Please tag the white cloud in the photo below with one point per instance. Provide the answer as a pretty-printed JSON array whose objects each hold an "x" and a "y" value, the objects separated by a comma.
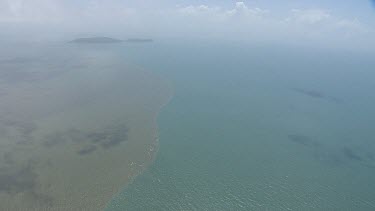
[
  {"x": 242, "y": 9},
  {"x": 319, "y": 23},
  {"x": 353, "y": 25},
  {"x": 200, "y": 12},
  {"x": 310, "y": 16},
  {"x": 194, "y": 10},
  {"x": 243, "y": 22}
]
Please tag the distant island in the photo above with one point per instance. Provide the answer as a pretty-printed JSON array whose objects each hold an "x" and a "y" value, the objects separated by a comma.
[
  {"x": 92, "y": 40},
  {"x": 96, "y": 40},
  {"x": 139, "y": 40}
]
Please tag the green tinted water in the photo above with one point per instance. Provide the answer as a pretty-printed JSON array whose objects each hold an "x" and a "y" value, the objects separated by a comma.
[{"x": 258, "y": 129}]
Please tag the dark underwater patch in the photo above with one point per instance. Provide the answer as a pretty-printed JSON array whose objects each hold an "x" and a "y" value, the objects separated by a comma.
[
  {"x": 310, "y": 93},
  {"x": 87, "y": 150},
  {"x": 303, "y": 140},
  {"x": 20, "y": 131},
  {"x": 17, "y": 180},
  {"x": 97, "y": 137},
  {"x": 118, "y": 135},
  {"x": 317, "y": 94},
  {"x": 105, "y": 138},
  {"x": 24, "y": 127},
  {"x": 337, "y": 156},
  {"x": 14, "y": 180},
  {"x": 351, "y": 154},
  {"x": 329, "y": 157}
]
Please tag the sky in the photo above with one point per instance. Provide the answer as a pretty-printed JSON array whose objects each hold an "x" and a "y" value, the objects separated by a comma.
[{"x": 329, "y": 23}]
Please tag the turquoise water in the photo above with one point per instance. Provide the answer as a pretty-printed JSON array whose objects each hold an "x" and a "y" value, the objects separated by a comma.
[{"x": 258, "y": 128}]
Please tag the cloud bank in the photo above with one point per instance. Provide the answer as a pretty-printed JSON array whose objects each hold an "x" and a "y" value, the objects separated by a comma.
[{"x": 58, "y": 18}]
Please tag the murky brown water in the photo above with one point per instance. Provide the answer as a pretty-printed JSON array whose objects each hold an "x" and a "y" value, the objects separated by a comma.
[{"x": 73, "y": 129}]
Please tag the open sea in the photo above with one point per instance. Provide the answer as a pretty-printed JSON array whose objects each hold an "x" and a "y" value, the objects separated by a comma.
[{"x": 258, "y": 128}]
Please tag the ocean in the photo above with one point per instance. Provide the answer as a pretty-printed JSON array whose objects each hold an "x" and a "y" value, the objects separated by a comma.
[
  {"x": 253, "y": 127},
  {"x": 186, "y": 125}
]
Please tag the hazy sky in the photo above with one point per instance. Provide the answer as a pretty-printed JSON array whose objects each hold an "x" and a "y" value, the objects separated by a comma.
[{"x": 344, "y": 23}]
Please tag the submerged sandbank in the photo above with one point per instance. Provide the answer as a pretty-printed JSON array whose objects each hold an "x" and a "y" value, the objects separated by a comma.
[{"x": 74, "y": 131}]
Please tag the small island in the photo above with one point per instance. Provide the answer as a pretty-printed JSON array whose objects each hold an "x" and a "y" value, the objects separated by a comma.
[
  {"x": 96, "y": 40},
  {"x": 137, "y": 40},
  {"x": 93, "y": 40}
]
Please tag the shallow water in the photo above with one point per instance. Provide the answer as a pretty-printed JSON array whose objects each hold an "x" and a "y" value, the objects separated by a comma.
[
  {"x": 77, "y": 124},
  {"x": 258, "y": 128}
]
